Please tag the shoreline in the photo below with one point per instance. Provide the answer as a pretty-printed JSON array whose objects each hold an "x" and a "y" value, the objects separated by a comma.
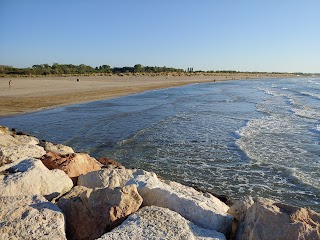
[
  {"x": 57, "y": 192},
  {"x": 27, "y": 95}
]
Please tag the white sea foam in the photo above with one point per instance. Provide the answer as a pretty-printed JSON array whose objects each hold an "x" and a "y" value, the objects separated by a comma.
[
  {"x": 313, "y": 82},
  {"x": 272, "y": 92},
  {"x": 276, "y": 141},
  {"x": 314, "y": 95},
  {"x": 279, "y": 139},
  {"x": 307, "y": 112},
  {"x": 278, "y": 105}
]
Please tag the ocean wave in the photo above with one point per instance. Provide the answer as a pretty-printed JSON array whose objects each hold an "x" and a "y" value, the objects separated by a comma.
[
  {"x": 314, "y": 95},
  {"x": 307, "y": 112},
  {"x": 288, "y": 103},
  {"x": 313, "y": 82},
  {"x": 278, "y": 141},
  {"x": 270, "y": 91}
]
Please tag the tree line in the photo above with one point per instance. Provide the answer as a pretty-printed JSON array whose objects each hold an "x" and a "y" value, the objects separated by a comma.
[
  {"x": 63, "y": 69},
  {"x": 82, "y": 69}
]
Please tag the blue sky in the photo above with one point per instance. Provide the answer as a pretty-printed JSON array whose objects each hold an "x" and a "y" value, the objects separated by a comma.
[{"x": 207, "y": 34}]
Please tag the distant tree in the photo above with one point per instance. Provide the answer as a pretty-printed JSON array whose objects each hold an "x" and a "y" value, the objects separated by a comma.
[
  {"x": 37, "y": 66},
  {"x": 58, "y": 69},
  {"x": 138, "y": 68},
  {"x": 105, "y": 69},
  {"x": 122, "y": 70}
]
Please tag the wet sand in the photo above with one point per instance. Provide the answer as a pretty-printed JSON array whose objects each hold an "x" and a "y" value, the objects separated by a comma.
[{"x": 33, "y": 94}]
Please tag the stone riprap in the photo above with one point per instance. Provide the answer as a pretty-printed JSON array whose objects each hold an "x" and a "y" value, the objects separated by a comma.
[{"x": 104, "y": 198}]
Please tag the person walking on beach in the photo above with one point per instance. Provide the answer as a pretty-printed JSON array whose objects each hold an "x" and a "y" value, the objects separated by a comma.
[{"x": 9, "y": 83}]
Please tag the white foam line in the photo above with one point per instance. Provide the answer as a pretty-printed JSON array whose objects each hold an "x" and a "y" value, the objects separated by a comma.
[
  {"x": 307, "y": 112},
  {"x": 314, "y": 95}
]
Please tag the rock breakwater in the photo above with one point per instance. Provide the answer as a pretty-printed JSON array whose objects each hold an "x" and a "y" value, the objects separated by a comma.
[{"x": 47, "y": 191}]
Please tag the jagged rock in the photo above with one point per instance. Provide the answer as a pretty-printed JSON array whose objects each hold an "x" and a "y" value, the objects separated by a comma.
[
  {"x": 11, "y": 138},
  {"x": 266, "y": 219},
  {"x": 159, "y": 223},
  {"x": 7, "y": 140},
  {"x": 202, "y": 209},
  {"x": 15, "y": 148},
  {"x": 91, "y": 213},
  {"x": 30, "y": 217},
  {"x": 240, "y": 207},
  {"x": 25, "y": 139},
  {"x": 110, "y": 178},
  {"x": 58, "y": 148},
  {"x": 5, "y": 130},
  {"x": 74, "y": 164},
  {"x": 14, "y": 154},
  {"x": 31, "y": 177},
  {"x": 109, "y": 162}
]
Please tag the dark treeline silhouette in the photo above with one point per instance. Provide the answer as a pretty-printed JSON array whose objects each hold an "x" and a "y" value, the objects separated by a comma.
[
  {"x": 62, "y": 69},
  {"x": 82, "y": 69}
]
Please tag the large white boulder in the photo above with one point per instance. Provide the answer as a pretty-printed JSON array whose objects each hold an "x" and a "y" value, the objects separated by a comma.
[
  {"x": 11, "y": 138},
  {"x": 15, "y": 148},
  {"x": 30, "y": 217},
  {"x": 110, "y": 178},
  {"x": 25, "y": 139},
  {"x": 202, "y": 209},
  {"x": 8, "y": 139},
  {"x": 159, "y": 223},
  {"x": 58, "y": 148},
  {"x": 17, "y": 153},
  {"x": 31, "y": 177}
]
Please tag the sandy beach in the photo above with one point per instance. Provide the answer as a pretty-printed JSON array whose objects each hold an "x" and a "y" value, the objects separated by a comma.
[{"x": 32, "y": 94}]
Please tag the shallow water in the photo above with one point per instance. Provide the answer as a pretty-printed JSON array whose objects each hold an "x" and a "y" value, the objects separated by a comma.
[{"x": 258, "y": 137}]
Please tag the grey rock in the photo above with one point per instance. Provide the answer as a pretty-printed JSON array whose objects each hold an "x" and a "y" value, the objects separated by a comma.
[
  {"x": 31, "y": 177},
  {"x": 159, "y": 223},
  {"x": 204, "y": 210},
  {"x": 110, "y": 177},
  {"x": 30, "y": 217},
  {"x": 15, "y": 148},
  {"x": 58, "y": 148}
]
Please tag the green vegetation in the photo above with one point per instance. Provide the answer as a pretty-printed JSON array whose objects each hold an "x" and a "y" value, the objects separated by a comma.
[
  {"x": 70, "y": 69},
  {"x": 57, "y": 69}
]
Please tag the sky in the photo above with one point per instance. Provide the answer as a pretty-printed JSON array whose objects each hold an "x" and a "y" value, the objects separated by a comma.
[{"x": 246, "y": 35}]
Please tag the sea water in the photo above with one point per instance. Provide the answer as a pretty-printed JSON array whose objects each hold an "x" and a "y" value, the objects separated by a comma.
[{"x": 246, "y": 137}]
